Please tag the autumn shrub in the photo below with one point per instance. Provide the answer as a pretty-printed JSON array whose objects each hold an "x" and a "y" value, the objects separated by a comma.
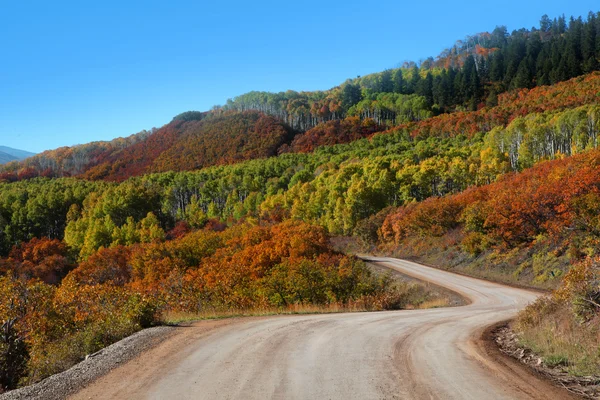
[
  {"x": 98, "y": 331},
  {"x": 47, "y": 329},
  {"x": 333, "y": 132},
  {"x": 564, "y": 328},
  {"x": 474, "y": 216},
  {"x": 474, "y": 243},
  {"x": 581, "y": 289},
  {"x": 109, "y": 265},
  {"x": 45, "y": 259},
  {"x": 368, "y": 229},
  {"x": 553, "y": 204}
]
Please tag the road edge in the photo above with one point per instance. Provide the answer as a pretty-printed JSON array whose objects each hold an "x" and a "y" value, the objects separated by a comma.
[
  {"x": 486, "y": 345},
  {"x": 461, "y": 273},
  {"x": 64, "y": 384}
]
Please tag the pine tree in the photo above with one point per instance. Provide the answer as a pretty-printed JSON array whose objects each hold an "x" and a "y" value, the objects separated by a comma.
[
  {"x": 425, "y": 89},
  {"x": 440, "y": 91},
  {"x": 399, "y": 84},
  {"x": 523, "y": 78},
  {"x": 387, "y": 85},
  {"x": 415, "y": 78},
  {"x": 588, "y": 44},
  {"x": 351, "y": 94},
  {"x": 497, "y": 66},
  {"x": 545, "y": 23}
]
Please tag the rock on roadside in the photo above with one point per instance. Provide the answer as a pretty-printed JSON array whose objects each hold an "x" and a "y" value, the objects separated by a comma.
[{"x": 60, "y": 386}]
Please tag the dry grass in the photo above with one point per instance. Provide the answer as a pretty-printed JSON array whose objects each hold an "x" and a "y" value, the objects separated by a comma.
[
  {"x": 179, "y": 317},
  {"x": 435, "y": 303},
  {"x": 562, "y": 341}
]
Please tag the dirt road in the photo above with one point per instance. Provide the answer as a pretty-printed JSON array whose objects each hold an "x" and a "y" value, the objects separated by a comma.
[{"x": 413, "y": 354}]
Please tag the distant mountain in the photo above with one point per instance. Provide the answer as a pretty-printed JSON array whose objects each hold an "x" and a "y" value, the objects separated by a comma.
[
  {"x": 8, "y": 154},
  {"x": 5, "y": 157}
]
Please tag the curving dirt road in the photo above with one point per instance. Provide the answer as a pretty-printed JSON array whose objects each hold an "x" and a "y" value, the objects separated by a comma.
[{"x": 414, "y": 354}]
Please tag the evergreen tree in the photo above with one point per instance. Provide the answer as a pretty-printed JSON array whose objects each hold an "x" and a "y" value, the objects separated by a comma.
[
  {"x": 399, "y": 84},
  {"x": 545, "y": 23},
  {"x": 441, "y": 91},
  {"x": 499, "y": 37},
  {"x": 415, "y": 78},
  {"x": 351, "y": 94},
  {"x": 523, "y": 78},
  {"x": 386, "y": 85},
  {"x": 497, "y": 66},
  {"x": 425, "y": 89},
  {"x": 561, "y": 24},
  {"x": 588, "y": 39}
]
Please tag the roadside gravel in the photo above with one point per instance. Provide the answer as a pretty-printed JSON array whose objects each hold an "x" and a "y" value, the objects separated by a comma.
[{"x": 60, "y": 386}]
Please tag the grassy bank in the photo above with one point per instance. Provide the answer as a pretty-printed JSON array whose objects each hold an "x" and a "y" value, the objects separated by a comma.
[
  {"x": 564, "y": 329},
  {"x": 404, "y": 295},
  {"x": 537, "y": 265}
]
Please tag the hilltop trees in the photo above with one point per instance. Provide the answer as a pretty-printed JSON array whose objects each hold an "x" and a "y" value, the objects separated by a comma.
[{"x": 483, "y": 70}]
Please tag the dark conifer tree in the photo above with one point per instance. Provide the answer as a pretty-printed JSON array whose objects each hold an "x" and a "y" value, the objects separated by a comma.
[{"x": 399, "y": 84}]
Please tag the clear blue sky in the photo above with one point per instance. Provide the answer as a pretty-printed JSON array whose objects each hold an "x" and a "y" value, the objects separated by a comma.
[{"x": 73, "y": 72}]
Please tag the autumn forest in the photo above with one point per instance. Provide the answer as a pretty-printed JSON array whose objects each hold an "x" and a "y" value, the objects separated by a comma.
[{"x": 482, "y": 160}]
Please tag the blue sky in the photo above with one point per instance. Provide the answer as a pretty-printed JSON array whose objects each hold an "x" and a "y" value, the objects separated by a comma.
[{"x": 73, "y": 72}]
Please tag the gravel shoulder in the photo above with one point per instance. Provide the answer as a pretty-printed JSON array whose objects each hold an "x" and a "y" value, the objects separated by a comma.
[{"x": 60, "y": 386}]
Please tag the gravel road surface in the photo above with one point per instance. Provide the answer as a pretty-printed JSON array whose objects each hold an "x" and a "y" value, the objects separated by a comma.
[{"x": 412, "y": 354}]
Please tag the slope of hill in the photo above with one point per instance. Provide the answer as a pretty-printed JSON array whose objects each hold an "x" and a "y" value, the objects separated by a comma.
[
  {"x": 474, "y": 73},
  {"x": 465, "y": 77},
  {"x": 16, "y": 153},
  {"x": 189, "y": 141},
  {"x": 185, "y": 145},
  {"x": 228, "y": 137},
  {"x": 8, "y": 154},
  {"x": 5, "y": 157}
]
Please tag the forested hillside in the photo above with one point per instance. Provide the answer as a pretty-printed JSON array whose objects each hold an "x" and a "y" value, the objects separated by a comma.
[
  {"x": 472, "y": 75},
  {"x": 484, "y": 159}
]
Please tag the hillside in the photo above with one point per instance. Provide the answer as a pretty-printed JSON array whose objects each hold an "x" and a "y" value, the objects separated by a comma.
[
  {"x": 5, "y": 157},
  {"x": 18, "y": 154},
  {"x": 231, "y": 137},
  {"x": 8, "y": 154},
  {"x": 478, "y": 74},
  {"x": 185, "y": 143}
]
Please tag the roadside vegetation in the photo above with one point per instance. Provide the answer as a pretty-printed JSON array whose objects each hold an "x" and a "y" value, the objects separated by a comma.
[
  {"x": 56, "y": 312},
  {"x": 564, "y": 329}
]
